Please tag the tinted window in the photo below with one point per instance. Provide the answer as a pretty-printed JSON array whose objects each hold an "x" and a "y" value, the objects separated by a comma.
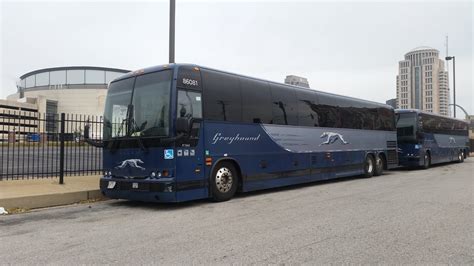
[
  {"x": 387, "y": 117},
  {"x": 328, "y": 111},
  {"x": 440, "y": 125},
  {"x": 256, "y": 101},
  {"x": 307, "y": 109},
  {"x": 284, "y": 108},
  {"x": 351, "y": 114},
  {"x": 222, "y": 99},
  {"x": 189, "y": 104},
  {"x": 406, "y": 127},
  {"x": 342, "y": 112}
]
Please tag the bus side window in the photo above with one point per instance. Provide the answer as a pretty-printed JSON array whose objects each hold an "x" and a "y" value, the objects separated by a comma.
[
  {"x": 189, "y": 104},
  {"x": 256, "y": 101},
  {"x": 222, "y": 98},
  {"x": 284, "y": 108},
  {"x": 307, "y": 109}
]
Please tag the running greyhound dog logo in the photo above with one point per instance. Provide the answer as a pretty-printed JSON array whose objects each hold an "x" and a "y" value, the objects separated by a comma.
[
  {"x": 132, "y": 163},
  {"x": 452, "y": 140},
  {"x": 331, "y": 137}
]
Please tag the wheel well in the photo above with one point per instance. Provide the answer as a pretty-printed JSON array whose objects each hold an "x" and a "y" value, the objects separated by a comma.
[
  {"x": 237, "y": 167},
  {"x": 384, "y": 158},
  {"x": 371, "y": 154},
  {"x": 429, "y": 154}
]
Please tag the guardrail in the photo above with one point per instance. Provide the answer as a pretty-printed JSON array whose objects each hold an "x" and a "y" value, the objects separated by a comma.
[{"x": 35, "y": 145}]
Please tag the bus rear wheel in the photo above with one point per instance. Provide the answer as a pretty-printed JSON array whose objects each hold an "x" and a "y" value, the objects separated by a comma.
[
  {"x": 379, "y": 163},
  {"x": 224, "y": 181},
  {"x": 426, "y": 161},
  {"x": 369, "y": 166},
  {"x": 460, "y": 157}
]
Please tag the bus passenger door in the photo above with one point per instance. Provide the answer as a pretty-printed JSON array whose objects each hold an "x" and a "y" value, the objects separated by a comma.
[{"x": 189, "y": 149}]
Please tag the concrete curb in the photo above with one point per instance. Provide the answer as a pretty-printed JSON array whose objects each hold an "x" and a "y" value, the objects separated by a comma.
[
  {"x": 51, "y": 200},
  {"x": 41, "y": 193}
]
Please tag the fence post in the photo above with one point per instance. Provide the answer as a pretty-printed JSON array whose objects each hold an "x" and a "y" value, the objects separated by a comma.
[{"x": 61, "y": 150}]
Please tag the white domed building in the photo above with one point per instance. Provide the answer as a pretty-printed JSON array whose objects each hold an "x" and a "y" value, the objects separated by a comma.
[{"x": 72, "y": 90}]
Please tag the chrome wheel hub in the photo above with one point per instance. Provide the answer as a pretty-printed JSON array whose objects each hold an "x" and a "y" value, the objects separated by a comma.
[
  {"x": 224, "y": 180},
  {"x": 370, "y": 166},
  {"x": 378, "y": 162}
]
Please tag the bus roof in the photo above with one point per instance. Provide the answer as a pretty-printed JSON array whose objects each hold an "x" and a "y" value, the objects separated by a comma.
[
  {"x": 418, "y": 111},
  {"x": 177, "y": 65}
]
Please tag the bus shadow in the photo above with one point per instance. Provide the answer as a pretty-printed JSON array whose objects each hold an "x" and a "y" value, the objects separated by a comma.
[
  {"x": 419, "y": 168},
  {"x": 309, "y": 184},
  {"x": 160, "y": 206}
]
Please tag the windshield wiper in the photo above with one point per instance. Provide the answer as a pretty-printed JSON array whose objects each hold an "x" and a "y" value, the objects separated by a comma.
[
  {"x": 131, "y": 129},
  {"x": 134, "y": 128}
]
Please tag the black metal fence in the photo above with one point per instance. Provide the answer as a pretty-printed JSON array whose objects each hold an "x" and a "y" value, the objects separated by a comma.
[{"x": 35, "y": 145}]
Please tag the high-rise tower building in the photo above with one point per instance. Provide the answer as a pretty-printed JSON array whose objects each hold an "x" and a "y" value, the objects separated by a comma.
[
  {"x": 297, "y": 81},
  {"x": 422, "y": 82}
]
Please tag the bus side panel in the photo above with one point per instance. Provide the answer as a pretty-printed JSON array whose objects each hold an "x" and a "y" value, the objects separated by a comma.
[
  {"x": 191, "y": 180},
  {"x": 443, "y": 148},
  {"x": 273, "y": 155}
]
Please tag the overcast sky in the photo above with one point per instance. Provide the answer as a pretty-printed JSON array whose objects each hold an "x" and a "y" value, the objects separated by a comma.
[{"x": 349, "y": 48}]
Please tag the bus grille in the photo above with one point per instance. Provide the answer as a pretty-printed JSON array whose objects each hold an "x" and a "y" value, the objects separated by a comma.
[
  {"x": 392, "y": 157},
  {"x": 391, "y": 144}
]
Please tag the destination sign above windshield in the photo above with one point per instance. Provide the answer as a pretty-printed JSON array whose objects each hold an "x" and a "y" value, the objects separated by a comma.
[{"x": 189, "y": 78}]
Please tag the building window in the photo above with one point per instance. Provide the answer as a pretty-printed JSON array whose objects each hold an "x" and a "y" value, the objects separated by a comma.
[
  {"x": 57, "y": 77},
  {"x": 95, "y": 77},
  {"x": 75, "y": 77}
]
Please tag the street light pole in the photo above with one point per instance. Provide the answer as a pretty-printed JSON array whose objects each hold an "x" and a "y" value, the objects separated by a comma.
[
  {"x": 172, "y": 19},
  {"x": 454, "y": 82}
]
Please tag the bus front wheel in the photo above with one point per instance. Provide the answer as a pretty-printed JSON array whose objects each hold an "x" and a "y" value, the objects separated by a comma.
[
  {"x": 426, "y": 161},
  {"x": 369, "y": 166},
  {"x": 224, "y": 181}
]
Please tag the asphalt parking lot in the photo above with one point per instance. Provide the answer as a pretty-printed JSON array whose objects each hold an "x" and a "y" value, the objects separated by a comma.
[{"x": 404, "y": 216}]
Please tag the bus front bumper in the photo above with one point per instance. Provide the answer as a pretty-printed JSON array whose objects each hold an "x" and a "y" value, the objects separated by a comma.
[
  {"x": 412, "y": 160},
  {"x": 139, "y": 190}
]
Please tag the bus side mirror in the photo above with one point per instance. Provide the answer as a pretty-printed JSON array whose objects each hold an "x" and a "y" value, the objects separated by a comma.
[
  {"x": 89, "y": 141},
  {"x": 183, "y": 125}
]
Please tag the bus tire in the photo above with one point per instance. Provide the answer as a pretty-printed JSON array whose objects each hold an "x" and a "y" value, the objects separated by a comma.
[
  {"x": 379, "y": 164},
  {"x": 460, "y": 156},
  {"x": 426, "y": 161},
  {"x": 224, "y": 181},
  {"x": 369, "y": 166}
]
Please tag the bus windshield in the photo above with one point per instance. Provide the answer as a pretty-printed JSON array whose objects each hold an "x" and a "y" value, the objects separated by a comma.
[
  {"x": 406, "y": 127},
  {"x": 138, "y": 107}
]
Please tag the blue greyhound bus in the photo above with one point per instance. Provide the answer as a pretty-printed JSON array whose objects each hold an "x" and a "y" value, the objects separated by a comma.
[
  {"x": 426, "y": 138},
  {"x": 181, "y": 132}
]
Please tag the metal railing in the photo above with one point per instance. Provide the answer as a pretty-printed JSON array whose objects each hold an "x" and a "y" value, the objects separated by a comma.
[{"x": 35, "y": 145}]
